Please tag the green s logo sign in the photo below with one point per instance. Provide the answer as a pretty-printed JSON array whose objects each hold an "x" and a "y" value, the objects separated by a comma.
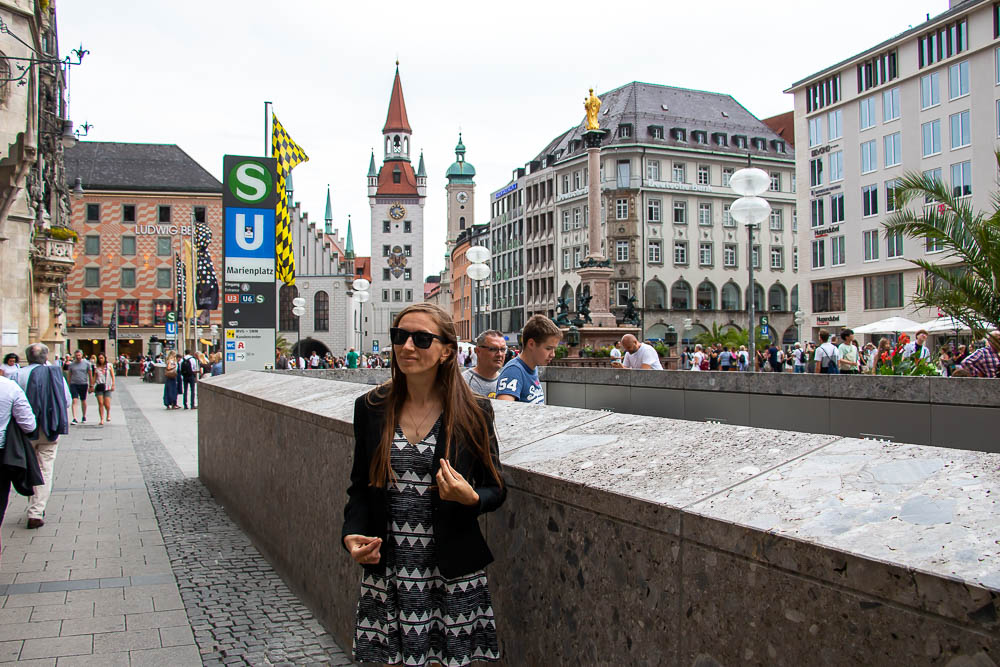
[{"x": 250, "y": 182}]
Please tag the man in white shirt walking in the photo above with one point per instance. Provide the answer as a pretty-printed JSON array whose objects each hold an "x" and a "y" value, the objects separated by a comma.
[{"x": 638, "y": 356}]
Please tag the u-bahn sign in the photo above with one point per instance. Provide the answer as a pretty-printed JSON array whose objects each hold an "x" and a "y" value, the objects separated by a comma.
[{"x": 249, "y": 294}]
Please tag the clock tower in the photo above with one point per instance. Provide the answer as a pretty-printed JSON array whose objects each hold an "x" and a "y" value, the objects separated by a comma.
[
  {"x": 396, "y": 196},
  {"x": 461, "y": 190}
]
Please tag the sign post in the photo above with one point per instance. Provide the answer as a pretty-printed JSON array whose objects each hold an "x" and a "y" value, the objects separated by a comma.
[{"x": 249, "y": 295}]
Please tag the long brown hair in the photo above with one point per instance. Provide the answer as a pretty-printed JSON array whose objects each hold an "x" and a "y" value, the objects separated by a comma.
[{"x": 462, "y": 419}]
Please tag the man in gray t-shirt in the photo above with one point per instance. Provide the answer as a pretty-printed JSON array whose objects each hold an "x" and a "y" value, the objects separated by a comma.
[
  {"x": 491, "y": 348},
  {"x": 79, "y": 381}
]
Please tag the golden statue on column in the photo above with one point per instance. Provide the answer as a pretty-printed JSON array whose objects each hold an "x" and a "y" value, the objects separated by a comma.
[{"x": 592, "y": 104}]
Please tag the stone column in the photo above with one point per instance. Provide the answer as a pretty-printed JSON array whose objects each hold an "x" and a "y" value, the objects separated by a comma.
[{"x": 595, "y": 271}]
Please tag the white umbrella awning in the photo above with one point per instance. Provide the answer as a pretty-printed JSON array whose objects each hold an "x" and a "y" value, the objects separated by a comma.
[
  {"x": 889, "y": 325},
  {"x": 943, "y": 325}
]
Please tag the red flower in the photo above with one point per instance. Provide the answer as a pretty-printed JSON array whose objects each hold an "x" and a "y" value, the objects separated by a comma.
[
  {"x": 885, "y": 356},
  {"x": 903, "y": 339}
]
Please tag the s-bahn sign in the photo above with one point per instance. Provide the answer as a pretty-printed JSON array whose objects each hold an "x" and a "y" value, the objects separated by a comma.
[{"x": 249, "y": 294}]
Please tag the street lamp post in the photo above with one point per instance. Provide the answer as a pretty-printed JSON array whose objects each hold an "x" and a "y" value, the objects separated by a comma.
[
  {"x": 799, "y": 319},
  {"x": 750, "y": 210},
  {"x": 478, "y": 270},
  {"x": 360, "y": 295},
  {"x": 298, "y": 309}
]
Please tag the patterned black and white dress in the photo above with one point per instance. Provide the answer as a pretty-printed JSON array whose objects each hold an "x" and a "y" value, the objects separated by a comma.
[{"x": 408, "y": 613}]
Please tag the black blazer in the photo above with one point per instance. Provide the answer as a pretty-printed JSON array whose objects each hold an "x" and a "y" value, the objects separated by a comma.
[{"x": 459, "y": 544}]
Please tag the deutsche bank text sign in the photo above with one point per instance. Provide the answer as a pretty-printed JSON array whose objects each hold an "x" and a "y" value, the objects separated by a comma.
[{"x": 249, "y": 199}]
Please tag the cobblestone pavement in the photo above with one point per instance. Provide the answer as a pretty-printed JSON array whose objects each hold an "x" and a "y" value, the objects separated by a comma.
[{"x": 138, "y": 565}]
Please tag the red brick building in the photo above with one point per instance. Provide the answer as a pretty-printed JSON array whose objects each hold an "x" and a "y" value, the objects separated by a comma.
[{"x": 140, "y": 201}]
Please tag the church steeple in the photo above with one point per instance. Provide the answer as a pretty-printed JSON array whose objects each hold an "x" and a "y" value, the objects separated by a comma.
[
  {"x": 349, "y": 246},
  {"x": 396, "y": 130},
  {"x": 328, "y": 218}
]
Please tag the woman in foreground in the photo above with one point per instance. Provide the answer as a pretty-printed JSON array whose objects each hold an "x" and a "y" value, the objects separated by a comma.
[{"x": 426, "y": 465}]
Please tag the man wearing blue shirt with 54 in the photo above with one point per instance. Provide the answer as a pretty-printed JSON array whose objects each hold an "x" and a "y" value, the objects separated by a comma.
[{"x": 518, "y": 380}]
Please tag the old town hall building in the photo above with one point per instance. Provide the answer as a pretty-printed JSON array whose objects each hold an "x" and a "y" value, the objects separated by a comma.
[{"x": 397, "y": 196}]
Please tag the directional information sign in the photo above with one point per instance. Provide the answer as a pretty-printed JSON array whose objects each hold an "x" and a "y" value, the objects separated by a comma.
[{"x": 249, "y": 295}]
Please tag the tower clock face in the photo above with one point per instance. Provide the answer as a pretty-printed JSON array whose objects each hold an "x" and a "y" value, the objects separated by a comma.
[
  {"x": 396, "y": 211},
  {"x": 462, "y": 197}
]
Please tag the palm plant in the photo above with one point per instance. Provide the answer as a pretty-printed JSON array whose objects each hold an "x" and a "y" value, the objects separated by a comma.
[
  {"x": 282, "y": 344},
  {"x": 967, "y": 289}
]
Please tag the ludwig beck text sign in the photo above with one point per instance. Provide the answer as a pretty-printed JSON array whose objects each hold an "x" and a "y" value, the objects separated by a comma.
[{"x": 249, "y": 301}]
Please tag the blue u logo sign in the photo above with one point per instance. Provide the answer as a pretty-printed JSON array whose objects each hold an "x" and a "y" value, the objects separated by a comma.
[{"x": 249, "y": 236}]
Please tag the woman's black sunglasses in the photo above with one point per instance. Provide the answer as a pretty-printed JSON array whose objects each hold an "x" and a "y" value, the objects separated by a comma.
[{"x": 421, "y": 339}]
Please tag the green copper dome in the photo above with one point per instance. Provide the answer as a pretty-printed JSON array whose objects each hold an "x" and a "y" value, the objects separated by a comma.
[{"x": 460, "y": 171}]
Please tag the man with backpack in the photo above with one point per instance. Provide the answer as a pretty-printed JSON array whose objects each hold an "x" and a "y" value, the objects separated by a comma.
[
  {"x": 827, "y": 356},
  {"x": 189, "y": 377}
]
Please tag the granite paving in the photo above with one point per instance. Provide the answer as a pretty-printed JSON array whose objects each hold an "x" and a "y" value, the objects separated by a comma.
[{"x": 137, "y": 564}]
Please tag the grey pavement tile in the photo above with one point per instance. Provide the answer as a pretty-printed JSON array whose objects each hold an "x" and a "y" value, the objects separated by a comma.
[
  {"x": 115, "y": 582},
  {"x": 102, "y": 660},
  {"x": 133, "y": 606},
  {"x": 92, "y": 625},
  {"x": 114, "y": 642},
  {"x": 176, "y": 656},
  {"x": 96, "y": 595},
  {"x": 159, "y": 619},
  {"x": 35, "y": 599},
  {"x": 77, "y": 585},
  {"x": 46, "y": 556},
  {"x": 106, "y": 572},
  {"x": 154, "y": 579},
  {"x": 16, "y": 615},
  {"x": 54, "y": 612},
  {"x": 150, "y": 590},
  {"x": 179, "y": 635},
  {"x": 54, "y": 647},
  {"x": 147, "y": 570},
  {"x": 7, "y": 578},
  {"x": 40, "y": 662},
  {"x": 12, "y": 631},
  {"x": 44, "y": 575},
  {"x": 20, "y": 589},
  {"x": 10, "y": 650},
  {"x": 168, "y": 602}
]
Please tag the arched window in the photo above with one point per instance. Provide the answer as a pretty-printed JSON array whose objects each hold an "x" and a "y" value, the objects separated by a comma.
[
  {"x": 461, "y": 222},
  {"x": 321, "y": 312},
  {"x": 730, "y": 296},
  {"x": 776, "y": 298},
  {"x": 706, "y": 296},
  {"x": 397, "y": 146},
  {"x": 406, "y": 145},
  {"x": 795, "y": 299},
  {"x": 286, "y": 319},
  {"x": 4, "y": 76},
  {"x": 567, "y": 295},
  {"x": 656, "y": 295},
  {"x": 680, "y": 296},
  {"x": 388, "y": 145},
  {"x": 758, "y": 297},
  {"x": 791, "y": 335}
]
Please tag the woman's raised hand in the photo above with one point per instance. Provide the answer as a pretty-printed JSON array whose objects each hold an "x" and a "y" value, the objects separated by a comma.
[
  {"x": 363, "y": 549},
  {"x": 452, "y": 486}
]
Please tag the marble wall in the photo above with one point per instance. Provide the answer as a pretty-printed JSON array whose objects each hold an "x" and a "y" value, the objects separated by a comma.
[{"x": 638, "y": 540}]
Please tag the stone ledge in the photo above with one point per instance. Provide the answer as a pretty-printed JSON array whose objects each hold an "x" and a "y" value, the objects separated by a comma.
[{"x": 855, "y": 522}]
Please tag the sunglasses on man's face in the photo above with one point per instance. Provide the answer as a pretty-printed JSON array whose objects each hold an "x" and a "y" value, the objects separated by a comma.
[{"x": 421, "y": 339}]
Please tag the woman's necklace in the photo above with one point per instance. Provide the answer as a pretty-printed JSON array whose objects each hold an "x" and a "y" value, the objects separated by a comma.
[{"x": 420, "y": 427}]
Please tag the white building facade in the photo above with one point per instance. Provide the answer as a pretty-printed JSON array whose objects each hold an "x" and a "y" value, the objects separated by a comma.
[
  {"x": 925, "y": 101},
  {"x": 665, "y": 168}
]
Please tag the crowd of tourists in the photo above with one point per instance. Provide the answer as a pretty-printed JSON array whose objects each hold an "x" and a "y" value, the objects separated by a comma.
[{"x": 842, "y": 353}]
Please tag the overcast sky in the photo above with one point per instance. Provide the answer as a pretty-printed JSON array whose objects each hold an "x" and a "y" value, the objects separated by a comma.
[{"x": 511, "y": 75}]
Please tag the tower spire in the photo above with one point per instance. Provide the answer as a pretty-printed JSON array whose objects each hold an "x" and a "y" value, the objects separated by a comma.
[
  {"x": 329, "y": 208},
  {"x": 421, "y": 172},
  {"x": 396, "y": 120},
  {"x": 349, "y": 246}
]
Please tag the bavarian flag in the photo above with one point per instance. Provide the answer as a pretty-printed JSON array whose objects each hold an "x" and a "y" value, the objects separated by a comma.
[{"x": 288, "y": 155}]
